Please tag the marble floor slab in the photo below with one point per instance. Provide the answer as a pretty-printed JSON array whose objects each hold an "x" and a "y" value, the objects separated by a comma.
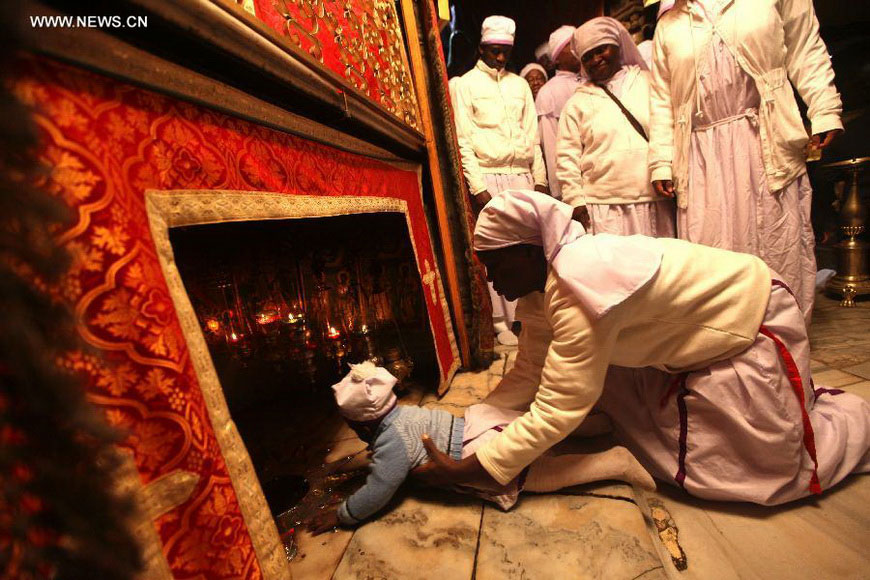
[
  {"x": 511, "y": 359},
  {"x": 812, "y": 539},
  {"x": 840, "y": 337},
  {"x": 600, "y": 534},
  {"x": 834, "y": 378},
  {"x": 817, "y": 366},
  {"x": 863, "y": 370},
  {"x": 862, "y": 389},
  {"x": 318, "y": 556},
  {"x": 427, "y": 534}
]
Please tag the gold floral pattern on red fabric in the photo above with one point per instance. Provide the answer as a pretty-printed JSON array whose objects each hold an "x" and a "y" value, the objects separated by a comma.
[
  {"x": 104, "y": 143},
  {"x": 360, "y": 40}
]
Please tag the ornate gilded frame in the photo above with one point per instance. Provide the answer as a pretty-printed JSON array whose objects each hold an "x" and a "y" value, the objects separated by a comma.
[{"x": 174, "y": 208}]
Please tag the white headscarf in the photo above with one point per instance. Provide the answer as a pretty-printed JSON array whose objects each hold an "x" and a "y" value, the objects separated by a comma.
[
  {"x": 541, "y": 50},
  {"x": 605, "y": 30},
  {"x": 664, "y": 6},
  {"x": 533, "y": 66},
  {"x": 559, "y": 39},
  {"x": 498, "y": 30},
  {"x": 602, "y": 270}
]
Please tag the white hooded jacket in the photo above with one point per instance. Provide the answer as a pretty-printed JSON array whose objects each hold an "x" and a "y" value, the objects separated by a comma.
[
  {"x": 773, "y": 41},
  {"x": 600, "y": 157},
  {"x": 496, "y": 126}
]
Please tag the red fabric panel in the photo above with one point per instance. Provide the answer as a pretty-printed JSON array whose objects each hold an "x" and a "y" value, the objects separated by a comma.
[
  {"x": 359, "y": 40},
  {"x": 105, "y": 143}
]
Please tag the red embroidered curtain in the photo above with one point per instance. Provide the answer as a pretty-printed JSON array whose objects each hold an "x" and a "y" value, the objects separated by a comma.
[{"x": 105, "y": 143}]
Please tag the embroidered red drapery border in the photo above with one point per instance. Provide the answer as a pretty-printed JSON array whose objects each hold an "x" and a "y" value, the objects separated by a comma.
[{"x": 105, "y": 143}]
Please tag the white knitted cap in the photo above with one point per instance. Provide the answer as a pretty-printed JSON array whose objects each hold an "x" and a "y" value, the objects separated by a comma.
[
  {"x": 366, "y": 393},
  {"x": 498, "y": 30}
]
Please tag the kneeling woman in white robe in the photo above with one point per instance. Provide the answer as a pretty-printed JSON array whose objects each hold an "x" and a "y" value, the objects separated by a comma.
[{"x": 736, "y": 417}]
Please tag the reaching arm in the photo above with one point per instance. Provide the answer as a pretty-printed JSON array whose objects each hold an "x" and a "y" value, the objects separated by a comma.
[
  {"x": 518, "y": 386},
  {"x": 530, "y": 124},
  {"x": 571, "y": 382},
  {"x": 661, "y": 116},
  {"x": 569, "y": 149},
  {"x": 389, "y": 469}
]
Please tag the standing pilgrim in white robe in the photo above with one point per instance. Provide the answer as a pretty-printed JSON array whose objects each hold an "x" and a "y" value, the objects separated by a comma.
[
  {"x": 497, "y": 131},
  {"x": 732, "y": 416},
  {"x": 602, "y": 159},
  {"x": 726, "y": 127},
  {"x": 551, "y": 100}
]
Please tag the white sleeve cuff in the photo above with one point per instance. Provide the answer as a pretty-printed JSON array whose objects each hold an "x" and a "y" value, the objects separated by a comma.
[
  {"x": 661, "y": 173},
  {"x": 825, "y": 123}
]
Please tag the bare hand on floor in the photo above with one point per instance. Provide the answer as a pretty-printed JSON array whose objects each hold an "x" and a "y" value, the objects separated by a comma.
[{"x": 325, "y": 521}]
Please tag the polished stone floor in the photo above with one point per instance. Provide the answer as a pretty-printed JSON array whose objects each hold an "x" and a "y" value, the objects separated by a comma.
[{"x": 608, "y": 530}]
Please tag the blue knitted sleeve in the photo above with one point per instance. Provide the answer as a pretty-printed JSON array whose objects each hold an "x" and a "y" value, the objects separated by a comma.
[{"x": 389, "y": 468}]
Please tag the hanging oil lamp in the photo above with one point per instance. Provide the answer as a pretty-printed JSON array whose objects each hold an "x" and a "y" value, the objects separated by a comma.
[
  {"x": 237, "y": 331},
  {"x": 309, "y": 350}
]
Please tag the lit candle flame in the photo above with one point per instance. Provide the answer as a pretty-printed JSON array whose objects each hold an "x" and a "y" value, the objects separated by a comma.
[
  {"x": 333, "y": 333},
  {"x": 267, "y": 317}
]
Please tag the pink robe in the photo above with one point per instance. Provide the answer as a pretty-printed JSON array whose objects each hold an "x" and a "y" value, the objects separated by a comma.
[
  {"x": 729, "y": 203},
  {"x": 734, "y": 431},
  {"x": 652, "y": 218},
  {"x": 549, "y": 103}
]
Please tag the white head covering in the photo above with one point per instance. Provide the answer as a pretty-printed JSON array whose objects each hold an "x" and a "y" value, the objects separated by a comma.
[
  {"x": 602, "y": 270},
  {"x": 605, "y": 30},
  {"x": 664, "y": 6},
  {"x": 519, "y": 217},
  {"x": 533, "y": 66},
  {"x": 559, "y": 39},
  {"x": 366, "y": 393},
  {"x": 498, "y": 30},
  {"x": 542, "y": 49}
]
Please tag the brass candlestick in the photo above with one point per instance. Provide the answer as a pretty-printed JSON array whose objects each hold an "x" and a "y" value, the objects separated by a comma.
[{"x": 852, "y": 277}]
